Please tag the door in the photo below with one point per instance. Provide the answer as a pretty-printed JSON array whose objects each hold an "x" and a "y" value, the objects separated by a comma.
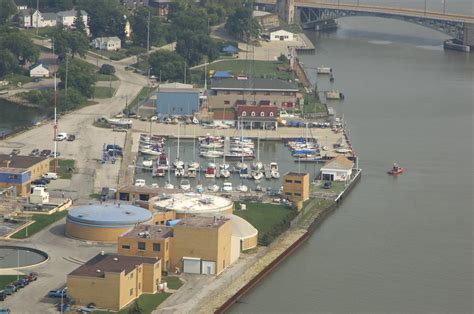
[
  {"x": 208, "y": 268},
  {"x": 191, "y": 265}
]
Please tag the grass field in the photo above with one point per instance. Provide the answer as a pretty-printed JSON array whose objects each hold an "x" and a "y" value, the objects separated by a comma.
[
  {"x": 313, "y": 105},
  {"x": 101, "y": 92},
  {"x": 336, "y": 187},
  {"x": 147, "y": 303},
  {"x": 63, "y": 167},
  {"x": 261, "y": 69},
  {"x": 5, "y": 280},
  {"x": 142, "y": 95},
  {"x": 173, "y": 282},
  {"x": 41, "y": 222},
  {"x": 43, "y": 32},
  {"x": 270, "y": 219},
  {"x": 105, "y": 77},
  {"x": 112, "y": 55},
  {"x": 14, "y": 79}
]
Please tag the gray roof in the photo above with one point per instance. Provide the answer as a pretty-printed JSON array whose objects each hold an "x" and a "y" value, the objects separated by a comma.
[
  {"x": 49, "y": 16},
  {"x": 71, "y": 13},
  {"x": 26, "y": 12},
  {"x": 254, "y": 84}
]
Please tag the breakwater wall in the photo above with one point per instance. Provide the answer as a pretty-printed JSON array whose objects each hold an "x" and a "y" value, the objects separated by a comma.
[
  {"x": 301, "y": 74},
  {"x": 285, "y": 254}
]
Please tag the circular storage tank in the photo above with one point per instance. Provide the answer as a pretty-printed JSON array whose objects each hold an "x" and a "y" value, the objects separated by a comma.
[
  {"x": 193, "y": 203},
  {"x": 104, "y": 222}
]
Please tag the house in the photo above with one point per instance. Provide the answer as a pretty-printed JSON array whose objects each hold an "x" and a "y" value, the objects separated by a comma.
[
  {"x": 39, "y": 70},
  {"x": 40, "y": 20},
  {"x": 177, "y": 101},
  {"x": 296, "y": 186},
  {"x": 196, "y": 244},
  {"x": 112, "y": 281},
  {"x": 230, "y": 50},
  {"x": 66, "y": 18},
  {"x": 280, "y": 34},
  {"x": 107, "y": 43},
  {"x": 262, "y": 115},
  {"x": 229, "y": 93},
  {"x": 19, "y": 171},
  {"x": 24, "y": 18},
  {"x": 338, "y": 169}
]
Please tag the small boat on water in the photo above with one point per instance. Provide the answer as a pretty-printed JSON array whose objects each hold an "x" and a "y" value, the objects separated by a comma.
[
  {"x": 163, "y": 162},
  {"x": 169, "y": 186},
  {"x": 212, "y": 154},
  {"x": 273, "y": 166},
  {"x": 185, "y": 185},
  {"x": 256, "y": 174},
  {"x": 213, "y": 188},
  {"x": 244, "y": 173},
  {"x": 194, "y": 164},
  {"x": 275, "y": 174},
  {"x": 192, "y": 172},
  {"x": 242, "y": 188},
  {"x": 210, "y": 172},
  {"x": 323, "y": 70},
  {"x": 147, "y": 163},
  {"x": 224, "y": 173},
  {"x": 155, "y": 185},
  {"x": 178, "y": 163},
  {"x": 179, "y": 172},
  {"x": 241, "y": 165},
  {"x": 396, "y": 170},
  {"x": 160, "y": 172},
  {"x": 257, "y": 165},
  {"x": 140, "y": 182},
  {"x": 151, "y": 152},
  {"x": 343, "y": 150},
  {"x": 334, "y": 94},
  {"x": 227, "y": 187}
]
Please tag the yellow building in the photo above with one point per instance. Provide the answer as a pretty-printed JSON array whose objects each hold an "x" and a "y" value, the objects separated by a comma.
[
  {"x": 198, "y": 244},
  {"x": 113, "y": 281},
  {"x": 296, "y": 186}
]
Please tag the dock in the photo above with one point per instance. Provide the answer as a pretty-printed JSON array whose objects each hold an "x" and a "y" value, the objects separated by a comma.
[{"x": 307, "y": 47}]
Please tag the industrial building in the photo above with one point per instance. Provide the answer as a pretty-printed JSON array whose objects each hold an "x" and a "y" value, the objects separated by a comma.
[
  {"x": 184, "y": 204},
  {"x": 338, "y": 169},
  {"x": 104, "y": 222},
  {"x": 112, "y": 281},
  {"x": 296, "y": 186},
  {"x": 177, "y": 101},
  {"x": 18, "y": 171}
]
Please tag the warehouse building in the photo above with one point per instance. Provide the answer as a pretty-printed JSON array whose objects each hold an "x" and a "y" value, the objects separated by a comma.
[
  {"x": 338, "y": 169},
  {"x": 112, "y": 281},
  {"x": 177, "y": 101}
]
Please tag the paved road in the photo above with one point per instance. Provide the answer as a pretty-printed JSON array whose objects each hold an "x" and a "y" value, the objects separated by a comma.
[{"x": 88, "y": 146}]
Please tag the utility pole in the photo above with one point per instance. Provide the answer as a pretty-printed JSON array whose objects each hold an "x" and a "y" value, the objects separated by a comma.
[
  {"x": 37, "y": 15},
  {"x": 444, "y": 6},
  {"x": 148, "y": 35},
  {"x": 425, "y": 7},
  {"x": 184, "y": 72},
  {"x": 65, "y": 81},
  {"x": 55, "y": 128}
]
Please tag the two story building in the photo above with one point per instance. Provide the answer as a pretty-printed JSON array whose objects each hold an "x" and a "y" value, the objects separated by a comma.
[
  {"x": 107, "y": 43},
  {"x": 229, "y": 93}
]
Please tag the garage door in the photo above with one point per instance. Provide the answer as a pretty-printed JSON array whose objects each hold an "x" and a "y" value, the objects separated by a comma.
[
  {"x": 191, "y": 265},
  {"x": 208, "y": 268}
]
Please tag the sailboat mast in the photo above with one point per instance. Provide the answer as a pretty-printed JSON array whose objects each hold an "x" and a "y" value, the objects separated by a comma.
[{"x": 177, "y": 152}]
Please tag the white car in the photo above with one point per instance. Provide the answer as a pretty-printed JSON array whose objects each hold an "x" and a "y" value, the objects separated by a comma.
[
  {"x": 61, "y": 136},
  {"x": 50, "y": 175}
]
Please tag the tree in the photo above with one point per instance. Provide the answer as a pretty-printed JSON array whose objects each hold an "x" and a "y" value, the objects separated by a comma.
[
  {"x": 107, "y": 69},
  {"x": 19, "y": 44},
  {"x": 283, "y": 58},
  {"x": 81, "y": 76},
  {"x": 243, "y": 25},
  {"x": 78, "y": 24},
  {"x": 139, "y": 22},
  {"x": 193, "y": 47},
  {"x": 106, "y": 17},
  {"x": 168, "y": 64},
  {"x": 7, "y": 10},
  {"x": 8, "y": 62},
  {"x": 67, "y": 41}
]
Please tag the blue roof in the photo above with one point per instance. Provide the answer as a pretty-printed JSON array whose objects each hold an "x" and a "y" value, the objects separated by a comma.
[
  {"x": 108, "y": 215},
  {"x": 222, "y": 74},
  {"x": 230, "y": 49}
]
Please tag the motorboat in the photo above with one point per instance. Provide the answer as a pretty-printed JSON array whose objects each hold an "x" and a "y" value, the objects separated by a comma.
[
  {"x": 224, "y": 165},
  {"x": 199, "y": 188},
  {"x": 213, "y": 188},
  {"x": 224, "y": 173},
  {"x": 210, "y": 172},
  {"x": 192, "y": 172},
  {"x": 160, "y": 172},
  {"x": 163, "y": 161},
  {"x": 194, "y": 164},
  {"x": 154, "y": 185},
  {"x": 227, "y": 187},
  {"x": 185, "y": 185},
  {"x": 147, "y": 163},
  {"x": 275, "y": 174},
  {"x": 396, "y": 170},
  {"x": 179, "y": 172},
  {"x": 325, "y": 148},
  {"x": 212, "y": 154},
  {"x": 242, "y": 188},
  {"x": 151, "y": 152},
  {"x": 343, "y": 150},
  {"x": 169, "y": 186},
  {"x": 244, "y": 173},
  {"x": 333, "y": 94},
  {"x": 323, "y": 70},
  {"x": 256, "y": 174},
  {"x": 257, "y": 165},
  {"x": 140, "y": 182},
  {"x": 178, "y": 163},
  {"x": 241, "y": 165},
  {"x": 273, "y": 166},
  {"x": 212, "y": 145}
]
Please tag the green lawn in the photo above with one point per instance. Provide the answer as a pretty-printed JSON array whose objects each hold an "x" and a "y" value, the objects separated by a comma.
[
  {"x": 41, "y": 222},
  {"x": 42, "y": 32},
  {"x": 173, "y": 282},
  {"x": 14, "y": 78},
  {"x": 261, "y": 69},
  {"x": 101, "y": 92},
  {"x": 105, "y": 77},
  {"x": 5, "y": 280},
  {"x": 336, "y": 187},
  {"x": 142, "y": 95},
  {"x": 147, "y": 303},
  {"x": 112, "y": 55},
  {"x": 313, "y": 105},
  {"x": 62, "y": 168},
  {"x": 270, "y": 219}
]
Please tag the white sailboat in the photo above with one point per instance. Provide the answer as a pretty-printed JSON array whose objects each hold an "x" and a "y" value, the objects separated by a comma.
[
  {"x": 178, "y": 163},
  {"x": 185, "y": 185}
]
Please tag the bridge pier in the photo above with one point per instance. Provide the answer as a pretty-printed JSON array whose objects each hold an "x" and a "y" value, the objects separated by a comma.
[
  {"x": 286, "y": 10},
  {"x": 468, "y": 35}
]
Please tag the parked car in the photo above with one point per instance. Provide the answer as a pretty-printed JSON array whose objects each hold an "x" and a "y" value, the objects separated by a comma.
[
  {"x": 45, "y": 152},
  {"x": 327, "y": 185},
  {"x": 5, "y": 310},
  {"x": 50, "y": 175},
  {"x": 42, "y": 181},
  {"x": 71, "y": 137},
  {"x": 52, "y": 154},
  {"x": 61, "y": 136},
  {"x": 19, "y": 284},
  {"x": 57, "y": 293},
  {"x": 15, "y": 152},
  {"x": 10, "y": 289},
  {"x": 3, "y": 295},
  {"x": 35, "y": 152},
  {"x": 32, "y": 276}
]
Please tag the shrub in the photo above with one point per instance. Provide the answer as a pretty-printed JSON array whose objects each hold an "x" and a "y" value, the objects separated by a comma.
[{"x": 107, "y": 69}]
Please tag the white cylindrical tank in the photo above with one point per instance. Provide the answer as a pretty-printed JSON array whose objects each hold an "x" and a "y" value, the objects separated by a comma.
[
  {"x": 160, "y": 287},
  {"x": 165, "y": 286}
]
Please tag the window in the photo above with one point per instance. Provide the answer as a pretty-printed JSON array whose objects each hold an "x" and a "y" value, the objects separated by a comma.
[
  {"x": 288, "y": 181},
  {"x": 141, "y": 246},
  {"x": 131, "y": 276},
  {"x": 131, "y": 291},
  {"x": 262, "y": 114},
  {"x": 139, "y": 285},
  {"x": 126, "y": 247},
  {"x": 253, "y": 114},
  {"x": 288, "y": 193},
  {"x": 156, "y": 247},
  {"x": 297, "y": 194},
  {"x": 226, "y": 102},
  {"x": 267, "y": 93},
  {"x": 271, "y": 114},
  {"x": 298, "y": 181},
  {"x": 244, "y": 113},
  {"x": 167, "y": 246}
]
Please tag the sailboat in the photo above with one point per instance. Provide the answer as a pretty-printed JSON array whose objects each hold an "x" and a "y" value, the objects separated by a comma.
[
  {"x": 194, "y": 164},
  {"x": 178, "y": 163},
  {"x": 168, "y": 184}
]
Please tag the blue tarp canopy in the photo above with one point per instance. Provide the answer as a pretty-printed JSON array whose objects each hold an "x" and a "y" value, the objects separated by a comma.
[
  {"x": 222, "y": 74},
  {"x": 230, "y": 49}
]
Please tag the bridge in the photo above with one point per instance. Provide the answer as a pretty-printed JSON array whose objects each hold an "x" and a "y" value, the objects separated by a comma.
[{"x": 319, "y": 15}]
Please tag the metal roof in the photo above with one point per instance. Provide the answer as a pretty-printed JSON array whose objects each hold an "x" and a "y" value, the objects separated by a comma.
[
  {"x": 19, "y": 161},
  {"x": 108, "y": 215},
  {"x": 254, "y": 84}
]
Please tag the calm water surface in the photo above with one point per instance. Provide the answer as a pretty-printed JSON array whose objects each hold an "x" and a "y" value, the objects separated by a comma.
[{"x": 396, "y": 244}]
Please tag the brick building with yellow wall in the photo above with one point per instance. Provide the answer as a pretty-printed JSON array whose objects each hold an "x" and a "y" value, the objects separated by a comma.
[
  {"x": 296, "y": 186},
  {"x": 199, "y": 244},
  {"x": 113, "y": 281}
]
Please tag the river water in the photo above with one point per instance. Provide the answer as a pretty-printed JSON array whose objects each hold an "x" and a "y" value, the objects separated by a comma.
[{"x": 396, "y": 244}]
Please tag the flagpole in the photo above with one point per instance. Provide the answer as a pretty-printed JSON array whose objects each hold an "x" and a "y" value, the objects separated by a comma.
[{"x": 55, "y": 125}]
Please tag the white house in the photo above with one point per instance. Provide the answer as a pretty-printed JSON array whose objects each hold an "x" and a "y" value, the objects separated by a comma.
[
  {"x": 24, "y": 18},
  {"x": 39, "y": 70},
  {"x": 338, "y": 169},
  {"x": 66, "y": 18},
  {"x": 107, "y": 43},
  {"x": 280, "y": 34},
  {"x": 40, "y": 20}
]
